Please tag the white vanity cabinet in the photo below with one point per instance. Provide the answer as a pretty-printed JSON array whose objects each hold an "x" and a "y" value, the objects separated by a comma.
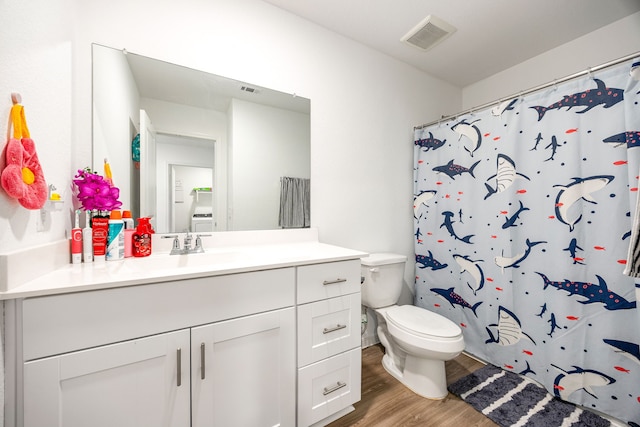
[
  {"x": 132, "y": 357},
  {"x": 329, "y": 353},
  {"x": 264, "y": 341}
]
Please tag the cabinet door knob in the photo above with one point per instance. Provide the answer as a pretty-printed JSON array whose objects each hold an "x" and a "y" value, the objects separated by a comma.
[
  {"x": 179, "y": 362},
  {"x": 202, "y": 350},
  {"x": 335, "y": 328},
  {"x": 331, "y": 282},
  {"x": 338, "y": 386}
]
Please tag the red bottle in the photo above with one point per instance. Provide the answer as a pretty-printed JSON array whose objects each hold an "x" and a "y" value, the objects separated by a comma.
[{"x": 141, "y": 239}]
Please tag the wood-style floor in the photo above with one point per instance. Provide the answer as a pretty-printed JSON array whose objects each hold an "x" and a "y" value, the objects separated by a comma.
[{"x": 386, "y": 402}]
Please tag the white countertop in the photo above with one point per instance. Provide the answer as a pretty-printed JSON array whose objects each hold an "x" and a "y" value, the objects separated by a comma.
[{"x": 162, "y": 267}]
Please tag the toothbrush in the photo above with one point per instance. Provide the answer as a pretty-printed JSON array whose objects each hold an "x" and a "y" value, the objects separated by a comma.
[
  {"x": 87, "y": 239},
  {"x": 107, "y": 172},
  {"x": 76, "y": 240}
]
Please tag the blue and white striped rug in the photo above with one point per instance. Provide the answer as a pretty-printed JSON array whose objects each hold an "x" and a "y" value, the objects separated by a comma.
[{"x": 512, "y": 400}]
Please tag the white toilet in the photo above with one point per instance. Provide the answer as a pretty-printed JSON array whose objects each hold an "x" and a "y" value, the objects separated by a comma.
[{"x": 417, "y": 341}]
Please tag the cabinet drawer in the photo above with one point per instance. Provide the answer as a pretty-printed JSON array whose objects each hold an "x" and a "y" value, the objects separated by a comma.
[
  {"x": 333, "y": 279},
  {"x": 328, "y": 327},
  {"x": 328, "y": 386},
  {"x": 62, "y": 323}
]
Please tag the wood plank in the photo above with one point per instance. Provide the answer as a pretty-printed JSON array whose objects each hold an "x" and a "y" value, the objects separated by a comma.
[{"x": 387, "y": 403}]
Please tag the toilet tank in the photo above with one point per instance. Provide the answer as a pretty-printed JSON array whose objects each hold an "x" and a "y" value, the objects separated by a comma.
[{"x": 383, "y": 277}]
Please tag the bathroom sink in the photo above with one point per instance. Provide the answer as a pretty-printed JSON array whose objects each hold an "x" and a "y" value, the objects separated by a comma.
[{"x": 164, "y": 261}]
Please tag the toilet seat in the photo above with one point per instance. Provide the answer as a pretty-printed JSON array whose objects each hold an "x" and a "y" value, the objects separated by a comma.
[{"x": 423, "y": 323}]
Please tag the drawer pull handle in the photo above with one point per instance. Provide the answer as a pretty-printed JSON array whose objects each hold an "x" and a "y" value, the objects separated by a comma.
[
  {"x": 335, "y": 328},
  {"x": 202, "y": 348},
  {"x": 179, "y": 362},
  {"x": 332, "y": 282},
  {"x": 338, "y": 386}
]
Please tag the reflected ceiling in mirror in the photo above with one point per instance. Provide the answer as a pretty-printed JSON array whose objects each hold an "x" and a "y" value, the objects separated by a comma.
[
  {"x": 181, "y": 85},
  {"x": 256, "y": 136}
]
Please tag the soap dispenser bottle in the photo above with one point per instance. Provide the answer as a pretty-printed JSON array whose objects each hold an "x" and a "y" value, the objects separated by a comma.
[{"x": 141, "y": 240}]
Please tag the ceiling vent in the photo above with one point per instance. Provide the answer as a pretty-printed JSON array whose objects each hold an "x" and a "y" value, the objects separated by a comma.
[
  {"x": 428, "y": 33},
  {"x": 249, "y": 89}
]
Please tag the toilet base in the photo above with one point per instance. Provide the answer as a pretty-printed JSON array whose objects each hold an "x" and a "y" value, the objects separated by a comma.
[{"x": 425, "y": 377}]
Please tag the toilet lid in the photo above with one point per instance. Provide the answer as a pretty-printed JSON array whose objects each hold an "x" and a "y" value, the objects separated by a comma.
[{"x": 420, "y": 321}]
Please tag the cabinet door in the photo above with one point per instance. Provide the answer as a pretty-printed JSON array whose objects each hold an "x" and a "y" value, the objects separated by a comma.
[
  {"x": 244, "y": 370},
  {"x": 136, "y": 383}
]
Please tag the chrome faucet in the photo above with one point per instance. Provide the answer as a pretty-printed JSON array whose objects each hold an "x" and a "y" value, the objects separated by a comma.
[
  {"x": 186, "y": 249},
  {"x": 187, "y": 243}
]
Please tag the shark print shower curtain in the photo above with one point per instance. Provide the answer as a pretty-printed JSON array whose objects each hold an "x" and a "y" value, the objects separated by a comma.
[{"x": 523, "y": 218}]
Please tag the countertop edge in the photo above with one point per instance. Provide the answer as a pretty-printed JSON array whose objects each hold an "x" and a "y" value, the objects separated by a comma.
[{"x": 307, "y": 253}]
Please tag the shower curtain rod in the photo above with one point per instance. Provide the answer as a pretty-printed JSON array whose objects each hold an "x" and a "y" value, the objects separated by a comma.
[{"x": 532, "y": 90}]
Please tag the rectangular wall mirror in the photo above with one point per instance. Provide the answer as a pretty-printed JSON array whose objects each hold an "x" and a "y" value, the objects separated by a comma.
[{"x": 197, "y": 151}]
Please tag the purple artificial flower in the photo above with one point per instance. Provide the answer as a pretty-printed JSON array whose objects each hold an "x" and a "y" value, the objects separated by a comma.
[{"x": 95, "y": 193}]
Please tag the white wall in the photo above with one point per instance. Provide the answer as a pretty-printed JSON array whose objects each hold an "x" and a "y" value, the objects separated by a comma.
[
  {"x": 609, "y": 43},
  {"x": 116, "y": 102},
  {"x": 36, "y": 60},
  {"x": 363, "y": 104},
  {"x": 267, "y": 143}
]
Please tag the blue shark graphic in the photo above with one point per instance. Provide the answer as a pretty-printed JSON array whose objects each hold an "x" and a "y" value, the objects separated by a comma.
[
  {"x": 452, "y": 170},
  {"x": 630, "y": 138},
  {"x": 569, "y": 382},
  {"x": 511, "y": 221},
  {"x": 455, "y": 299},
  {"x": 430, "y": 262},
  {"x": 543, "y": 310},
  {"x": 572, "y": 248},
  {"x": 514, "y": 261},
  {"x": 462, "y": 128},
  {"x": 430, "y": 143},
  {"x": 580, "y": 188},
  {"x": 599, "y": 293},
  {"x": 448, "y": 224},
  {"x": 506, "y": 174},
  {"x": 627, "y": 349},
  {"x": 591, "y": 98},
  {"x": 538, "y": 139},
  {"x": 418, "y": 233},
  {"x": 509, "y": 329},
  {"x": 554, "y": 145},
  {"x": 528, "y": 370},
  {"x": 554, "y": 324},
  {"x": 421, "y": 200},
  {"x": 471, "y": 267},
  {"x": 499, "y": 109}
]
